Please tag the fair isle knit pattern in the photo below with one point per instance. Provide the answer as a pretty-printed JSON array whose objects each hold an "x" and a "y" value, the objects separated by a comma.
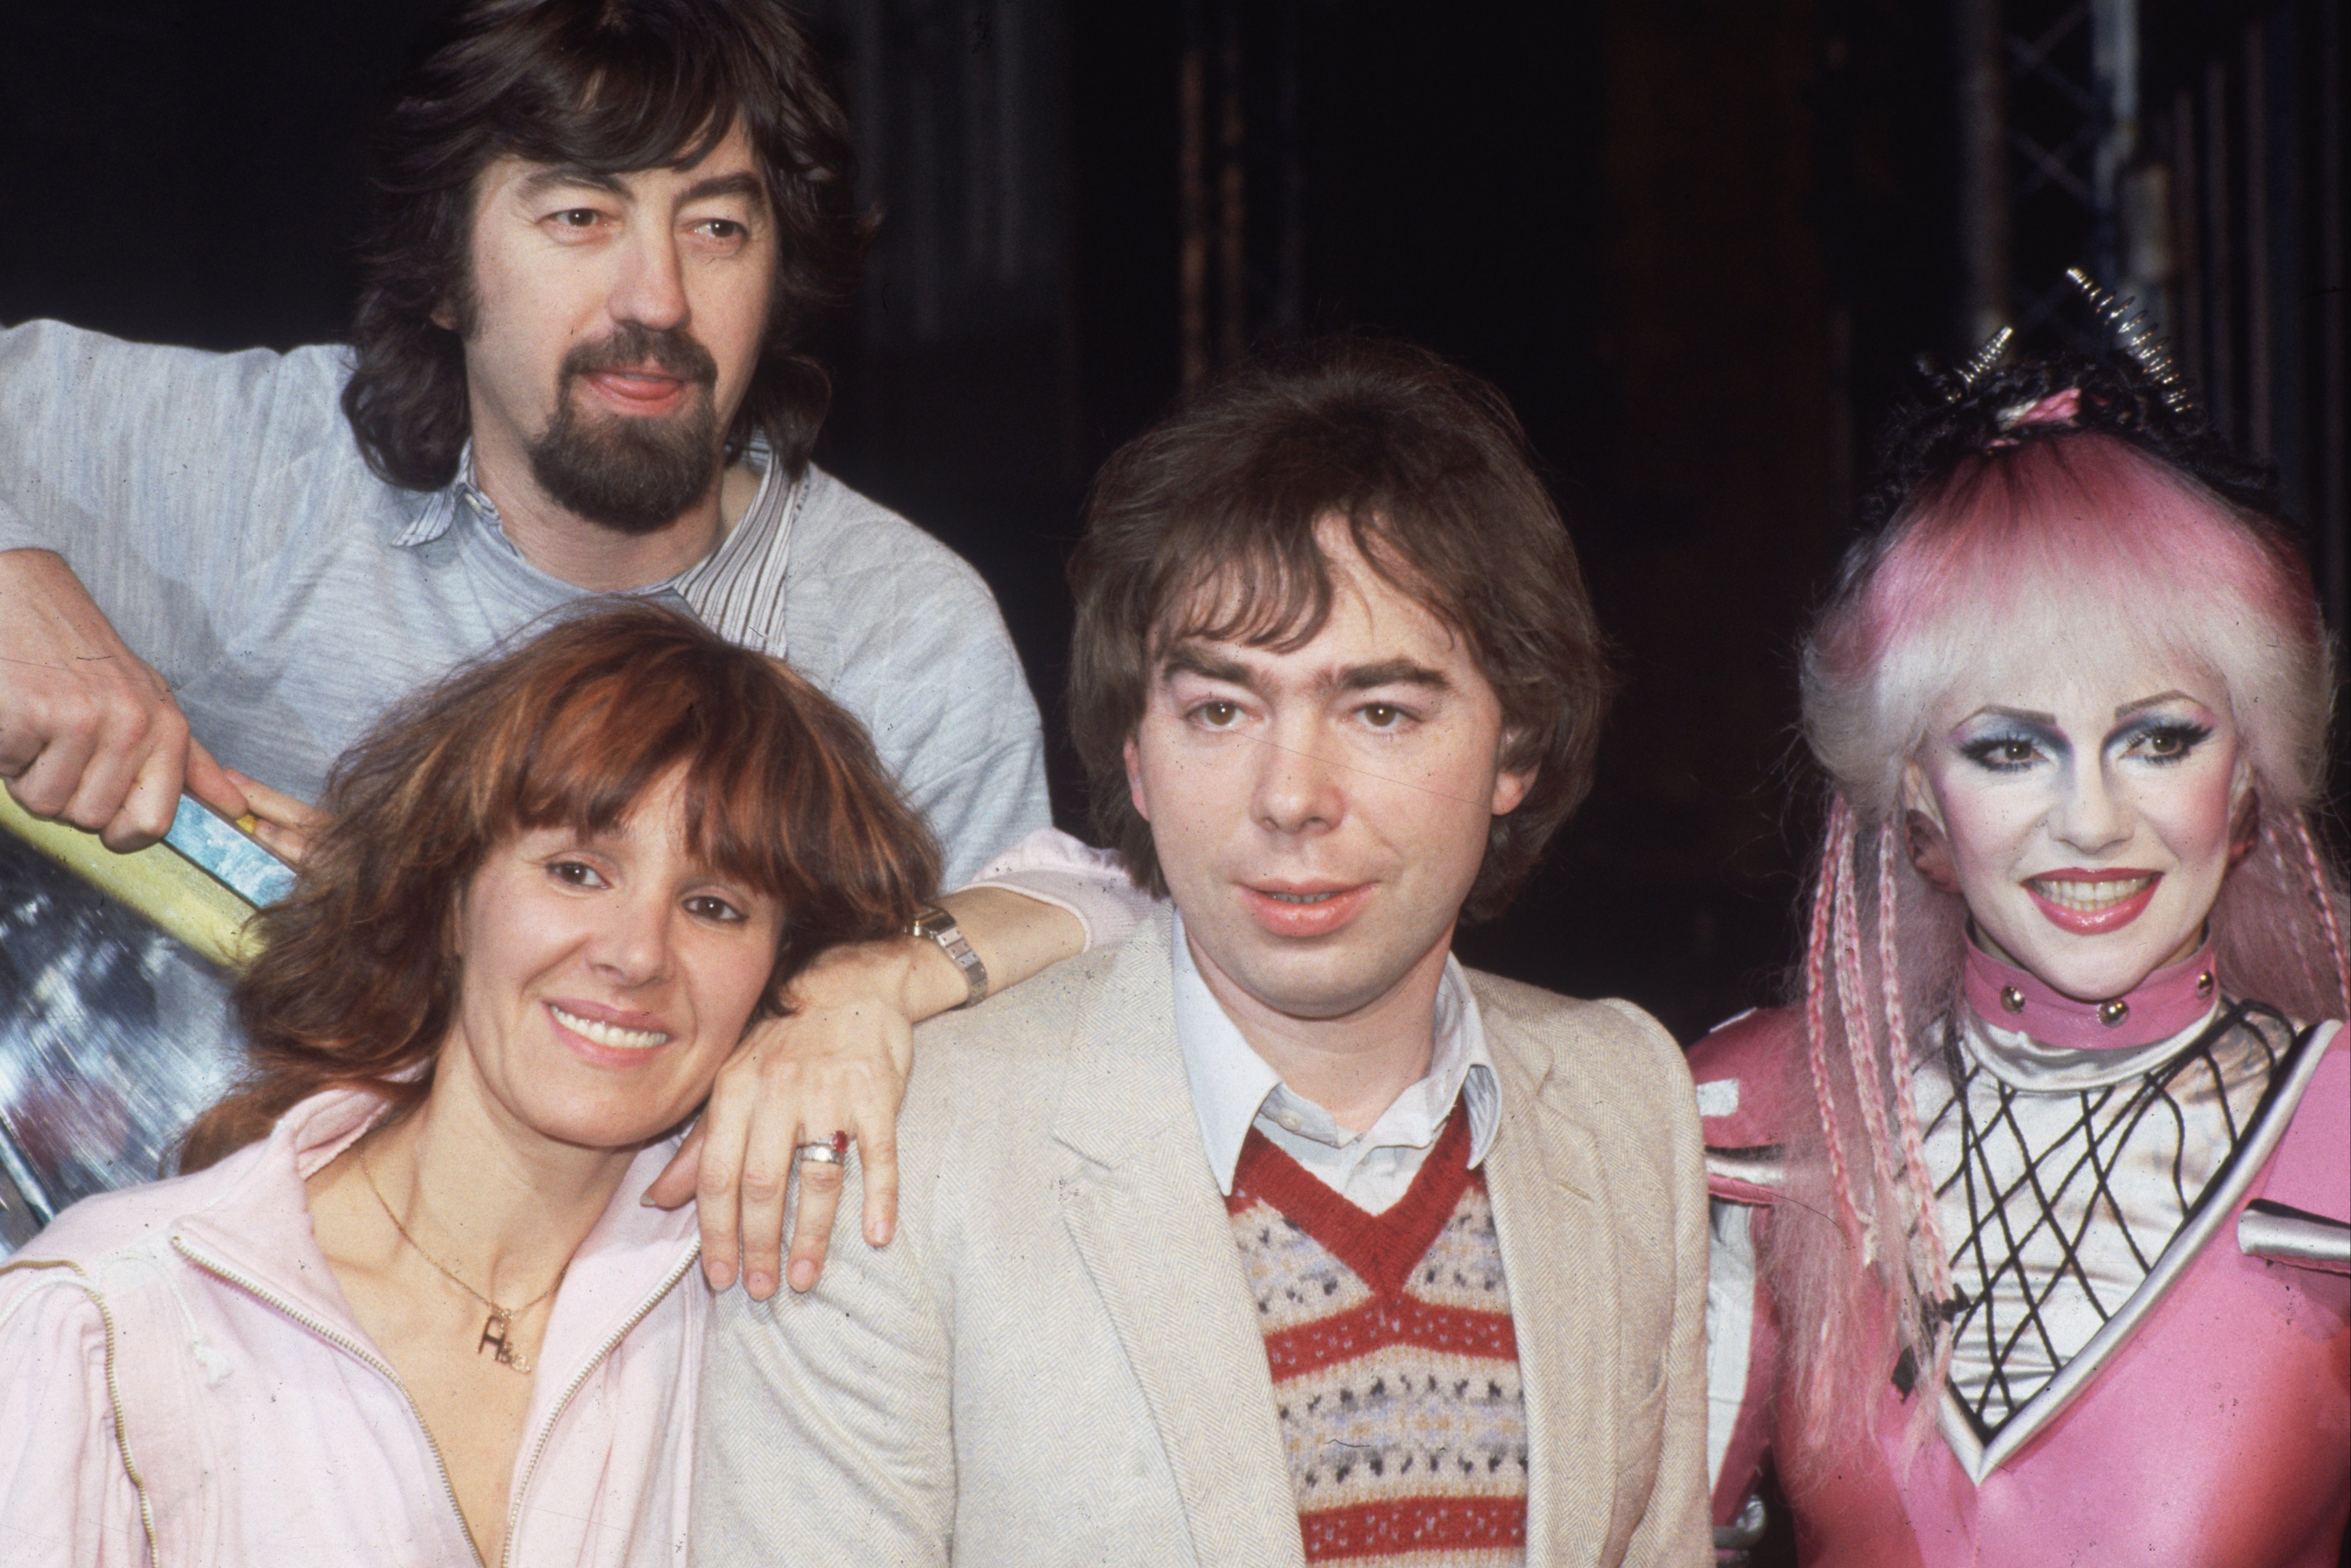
[{"x": 1394, "y": 1365}]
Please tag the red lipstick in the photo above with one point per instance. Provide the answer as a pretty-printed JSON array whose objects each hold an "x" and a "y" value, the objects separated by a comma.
[{"x": 2092, "y": 918}]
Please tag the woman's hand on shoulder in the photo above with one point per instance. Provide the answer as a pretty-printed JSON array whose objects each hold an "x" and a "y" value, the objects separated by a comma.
[
  {"x": 836, "y": 1064},
  {"x": 839, "y": 1064}
]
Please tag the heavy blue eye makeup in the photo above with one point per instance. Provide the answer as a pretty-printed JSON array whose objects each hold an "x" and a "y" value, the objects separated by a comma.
[
  {"x": 2164, "y": 741},
  {"x": 2008, "y": 751},
  {"x": 2001, "y": 753}
]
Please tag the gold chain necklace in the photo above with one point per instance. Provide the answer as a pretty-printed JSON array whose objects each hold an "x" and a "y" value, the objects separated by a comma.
[{"x": 498, "y": 1333}]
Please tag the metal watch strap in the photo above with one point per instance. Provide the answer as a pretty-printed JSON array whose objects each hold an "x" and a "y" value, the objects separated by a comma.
[{"x": 937, "y": 926}]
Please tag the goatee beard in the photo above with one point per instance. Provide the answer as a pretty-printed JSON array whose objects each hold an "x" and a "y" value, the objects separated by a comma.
[{"x": 631, "y": 474}]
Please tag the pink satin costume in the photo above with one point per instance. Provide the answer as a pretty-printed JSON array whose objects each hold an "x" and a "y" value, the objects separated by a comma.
[{"x": 2213, "y": 1425}]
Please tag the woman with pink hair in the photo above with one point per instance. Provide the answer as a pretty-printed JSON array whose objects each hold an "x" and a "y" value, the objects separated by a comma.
[{"x": 2030, "y": 1220}]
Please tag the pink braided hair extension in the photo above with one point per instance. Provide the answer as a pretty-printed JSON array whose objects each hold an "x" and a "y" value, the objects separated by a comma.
[
  {"x": 1906, "y": 1108},
  {"x": 2326, "y": 911},
  {"x": 1839, "y": 846},
  {"x": 1862, "y": 1052}
]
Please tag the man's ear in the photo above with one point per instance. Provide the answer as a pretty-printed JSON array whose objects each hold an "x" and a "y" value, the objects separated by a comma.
[
  {"x": 1511, "y": 786},
  {"x": 1135, "y": 779},
  {"x": 1923, "y": 832}
]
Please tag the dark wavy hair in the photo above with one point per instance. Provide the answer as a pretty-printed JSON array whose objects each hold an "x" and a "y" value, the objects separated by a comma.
[
  {"x": 612, "y": 85},
  {"x": 358, "y": 980},
  {"x": 1204, "y": 527}
]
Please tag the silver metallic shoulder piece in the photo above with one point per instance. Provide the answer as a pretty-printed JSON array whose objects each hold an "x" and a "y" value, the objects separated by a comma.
[
  {"x": 1734, "y": 1541},
  {"x": 1980, "y": 363},
  {"x": 2287, "y": 1235},
  {"x": 2153, "y": 356},
  {"x": 1764, "y": 1167}
]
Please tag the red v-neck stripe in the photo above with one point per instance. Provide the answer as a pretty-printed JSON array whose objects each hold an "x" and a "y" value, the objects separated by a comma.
[{"x": 1380, "y": 1249}]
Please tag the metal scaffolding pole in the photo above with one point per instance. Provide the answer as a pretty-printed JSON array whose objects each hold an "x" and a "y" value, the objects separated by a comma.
[
  {"x": 2114, "y": 80},
  {"x": 1986, "y": 283}
]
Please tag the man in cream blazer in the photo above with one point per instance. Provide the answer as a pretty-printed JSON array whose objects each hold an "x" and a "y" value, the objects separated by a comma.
[{"x": 1273, "y": 1235}]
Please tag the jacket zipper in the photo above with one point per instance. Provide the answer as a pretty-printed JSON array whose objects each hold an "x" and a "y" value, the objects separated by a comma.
[
  {"x": 113, "y": 1390},
  {"x": 343, "y": 1341},
  {"x": 554, "y": 1412}
]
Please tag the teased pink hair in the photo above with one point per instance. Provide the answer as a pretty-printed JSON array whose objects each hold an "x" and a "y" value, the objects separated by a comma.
[{"x": 2016, "y": 550}]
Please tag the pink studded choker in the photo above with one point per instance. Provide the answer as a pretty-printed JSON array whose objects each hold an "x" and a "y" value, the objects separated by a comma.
[{"x": 2166, "y": 1002}]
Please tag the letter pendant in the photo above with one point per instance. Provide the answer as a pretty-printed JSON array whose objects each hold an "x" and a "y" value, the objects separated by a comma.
[{"x": 494, "y": 1338}]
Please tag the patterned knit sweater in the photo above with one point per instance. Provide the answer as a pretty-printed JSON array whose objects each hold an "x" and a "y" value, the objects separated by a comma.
[{"x": 1394, "y": 1365}]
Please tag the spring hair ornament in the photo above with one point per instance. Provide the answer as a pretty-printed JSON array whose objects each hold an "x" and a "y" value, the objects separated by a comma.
[
  {"x": 2131, "y": 327},
  {"x": 2154, "y": 355},
  {"x": 1996, "y": 398},
  {"x": 1980, "y": 363}
]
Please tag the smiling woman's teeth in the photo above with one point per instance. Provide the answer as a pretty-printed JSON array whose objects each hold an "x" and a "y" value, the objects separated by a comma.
[
  {"x": 2089, "y": 897},
  {"x": 1302, "y": 897},
  {"x": 610, "y": 1034}
]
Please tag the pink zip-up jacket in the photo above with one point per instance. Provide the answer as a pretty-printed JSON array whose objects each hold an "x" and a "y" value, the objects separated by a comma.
[{"x": 182, "y": 1384}]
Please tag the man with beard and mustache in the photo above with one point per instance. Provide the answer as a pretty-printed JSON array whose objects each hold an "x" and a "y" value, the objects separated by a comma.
[{"x": 602, "y": 230}]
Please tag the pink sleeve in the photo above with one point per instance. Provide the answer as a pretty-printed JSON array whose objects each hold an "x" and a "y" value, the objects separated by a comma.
[
  {"x": 1052, "y": 867},
  {"x": 65, "y": 1495},
  {"x": 1740, "y": 1071}
]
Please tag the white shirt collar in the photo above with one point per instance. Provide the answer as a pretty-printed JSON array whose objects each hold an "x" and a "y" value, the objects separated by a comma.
[{"x": 1232, "y": 1085}]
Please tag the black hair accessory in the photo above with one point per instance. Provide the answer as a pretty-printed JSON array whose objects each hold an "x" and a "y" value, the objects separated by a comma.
[{"x": 2133, "y": 391}]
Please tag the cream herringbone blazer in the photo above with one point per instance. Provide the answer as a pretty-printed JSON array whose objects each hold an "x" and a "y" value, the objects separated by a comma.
[{"x": 1058, "y": 1363}]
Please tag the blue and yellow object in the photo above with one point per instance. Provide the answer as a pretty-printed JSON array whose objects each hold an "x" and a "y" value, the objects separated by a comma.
[{"x": 201, "y": 884}]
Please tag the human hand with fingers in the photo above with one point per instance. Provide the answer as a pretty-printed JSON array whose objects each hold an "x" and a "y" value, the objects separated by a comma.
[
  {"x": 833, "y": 1074},
  {"x": 284, "y": 825},
  {"x": 89, "y": 733}
]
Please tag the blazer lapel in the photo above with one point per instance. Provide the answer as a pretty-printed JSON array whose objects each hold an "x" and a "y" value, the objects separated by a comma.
[
  {"x": 1144, "y": 1213},
  {"x": 1558, "y": 1255}
]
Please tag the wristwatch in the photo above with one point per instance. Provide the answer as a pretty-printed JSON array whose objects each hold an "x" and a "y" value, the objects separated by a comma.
[{"x": 935, "y": 924}]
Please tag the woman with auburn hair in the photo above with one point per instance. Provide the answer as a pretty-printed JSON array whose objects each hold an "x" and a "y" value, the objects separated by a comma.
[
  {"x": 2031, "y": 1215},
  {"x": 405, "y": 1304}
]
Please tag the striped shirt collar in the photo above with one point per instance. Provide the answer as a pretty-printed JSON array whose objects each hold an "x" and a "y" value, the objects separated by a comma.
[
  {"x": 1234, "y": 1088},
  {"x": 737, "y": 589}
]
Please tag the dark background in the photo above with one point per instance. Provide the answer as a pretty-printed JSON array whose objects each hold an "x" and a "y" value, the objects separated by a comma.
[{"x": 1697, "y": 242}]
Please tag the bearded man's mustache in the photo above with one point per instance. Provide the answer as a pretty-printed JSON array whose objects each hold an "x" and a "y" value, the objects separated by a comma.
[{"x": 633, "y": 345}]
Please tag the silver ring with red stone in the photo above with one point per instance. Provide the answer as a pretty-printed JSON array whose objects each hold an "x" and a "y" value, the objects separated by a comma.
[{"x": 830, "y": 1151}]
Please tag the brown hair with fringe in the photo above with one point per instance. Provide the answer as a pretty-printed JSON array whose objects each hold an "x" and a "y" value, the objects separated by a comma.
[
  {"x": 1205, "y": 526},
  {"x": 357, "y": 983}
]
